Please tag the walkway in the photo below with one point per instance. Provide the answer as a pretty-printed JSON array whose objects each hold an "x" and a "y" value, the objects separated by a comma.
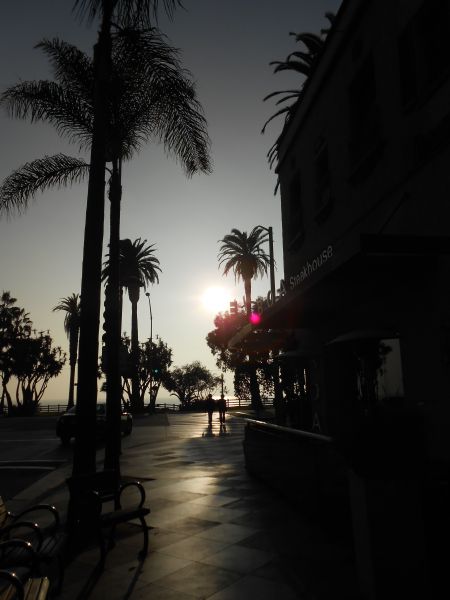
[{"x": 216, "y": 533}]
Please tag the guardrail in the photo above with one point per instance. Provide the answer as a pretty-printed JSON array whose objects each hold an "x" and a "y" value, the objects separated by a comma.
[
  {"x": 289, "y": 430},
  {"x": 57, "y": 409}
]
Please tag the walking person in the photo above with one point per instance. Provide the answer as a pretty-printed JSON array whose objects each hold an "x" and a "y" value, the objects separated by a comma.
[
  {"x": 210, "y": 405},
  {"x": 222, "y": 408}
]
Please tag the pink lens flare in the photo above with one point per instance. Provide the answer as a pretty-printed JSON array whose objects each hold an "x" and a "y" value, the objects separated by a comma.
[{"x": 255, "y": 319}]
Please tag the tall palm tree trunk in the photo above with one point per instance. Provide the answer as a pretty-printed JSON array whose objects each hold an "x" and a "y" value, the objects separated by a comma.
[
  {"x": 112, "y": 328},
  {"x": 136, "y": 404},
  {"x": 248, "y": 296},
  {"x": 85, "y": 446},
  {"x": 73, "y": 355}
]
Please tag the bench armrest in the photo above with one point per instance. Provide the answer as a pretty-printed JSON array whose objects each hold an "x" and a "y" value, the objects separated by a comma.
[
  {"x": 11, "y": 579},
  {"x": 11, "y": 550},
  {"x": 48, "y": 508},
  {"x": 36, "y": 536},
  {"x": 134, "y": 484}
]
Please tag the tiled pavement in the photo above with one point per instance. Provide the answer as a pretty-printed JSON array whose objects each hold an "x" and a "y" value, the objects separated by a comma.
[{"x": 216, "y": 532}]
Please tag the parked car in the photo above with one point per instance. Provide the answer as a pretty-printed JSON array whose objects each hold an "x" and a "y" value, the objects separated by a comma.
[{"x": 67, "y": 423}]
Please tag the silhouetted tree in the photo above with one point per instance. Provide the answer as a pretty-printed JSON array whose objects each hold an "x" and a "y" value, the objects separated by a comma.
[
  {"x": 131, "y": 14},
  {"x": 71, "y": 306},
  {"x": 35, "y": 361},
  {"x": 302, "y": 62},
  {"x": 191, "y": 383},
  {"x": 242, "y": 254},
  {"x": 138, "y": 268},
  {"x": 15, "y": 324},
  {"x": 150, "y": 96},
  {"x": 154, "y": 363}
]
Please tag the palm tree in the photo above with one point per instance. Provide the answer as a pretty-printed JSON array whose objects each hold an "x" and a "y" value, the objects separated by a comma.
[
  {"x": 153, "y": 97},
  {"x": 132, "y": 13},
  {"x": 71, "y": 306},
  {"x": 303, "y": 63},
  {"x": 138, "y": 268},
  {"x": 242, "y": 253}
]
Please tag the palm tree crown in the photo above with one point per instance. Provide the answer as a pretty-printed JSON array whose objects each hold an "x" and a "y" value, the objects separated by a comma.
[
  {"x": 71, "y": 306},
  {"x": 138, "y": 265},
  {"x": 135, "y": 13},
  {"x": 242, "y": 254},
  {"x": 152, "y": 97}
]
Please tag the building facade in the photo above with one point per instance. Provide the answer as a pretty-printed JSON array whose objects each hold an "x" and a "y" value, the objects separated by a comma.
[
  {"x": 364, "y": 174},
  {"x": 364, "y": 181}
]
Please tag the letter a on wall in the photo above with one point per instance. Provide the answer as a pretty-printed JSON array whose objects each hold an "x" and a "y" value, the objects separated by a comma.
[{"x": 316, "y": 423}]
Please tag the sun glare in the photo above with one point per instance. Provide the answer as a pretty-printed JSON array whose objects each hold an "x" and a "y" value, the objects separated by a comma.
[{"x": 215, "y": 299}]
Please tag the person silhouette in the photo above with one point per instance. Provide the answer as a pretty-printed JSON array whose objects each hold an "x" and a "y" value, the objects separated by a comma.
[
  {"x": 222, "y": 407},
  {"x": 210, "y": 405}
]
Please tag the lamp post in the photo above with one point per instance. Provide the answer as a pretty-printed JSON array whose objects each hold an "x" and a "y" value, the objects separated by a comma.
[
  {"x": 271, "y": 262},
  {"x": 151, "y": 316},
  {"x": 151, "y": 345},
  {"x": 278, "y": 400}
]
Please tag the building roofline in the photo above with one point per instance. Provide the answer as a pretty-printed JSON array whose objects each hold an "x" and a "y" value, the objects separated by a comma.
[{"x": 347, "y": 15}]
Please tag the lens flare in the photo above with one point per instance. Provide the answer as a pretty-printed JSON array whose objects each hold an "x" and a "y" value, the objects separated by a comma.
[{"x": 255, "y": 319}]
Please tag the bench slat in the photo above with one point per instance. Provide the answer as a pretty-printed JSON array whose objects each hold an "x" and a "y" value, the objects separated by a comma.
[{"x": 36, "y": 589}]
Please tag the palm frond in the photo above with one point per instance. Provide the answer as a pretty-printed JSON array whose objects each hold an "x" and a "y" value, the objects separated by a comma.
[
  {"x": 71, "y": 306},
  {"x": 52, "y": 103},
  {"x": 307, "y": 58},
  {"x": 159, "y": 101},
  {"x": 290, "y": 97},
  {"x": 279, "y": 92},
  {"x": 38, "y": 175},
  {"x": 127, "y": 12},
  {"x": 293, "y": 65},
  {"x": 242, "y": 254},
  {"x": 72, "y": 68},
  {"x": 137, "y": 263},
  {"x": 312, "y": 41},
  {"x": 286, "y": 109}
]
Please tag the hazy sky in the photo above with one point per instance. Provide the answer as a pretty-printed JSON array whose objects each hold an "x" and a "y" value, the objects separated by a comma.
[{"x": 227, "y": 46}]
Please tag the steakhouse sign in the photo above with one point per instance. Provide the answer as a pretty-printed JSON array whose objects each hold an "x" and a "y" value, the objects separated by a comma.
[
  {"x": 311, "y": 267},
  {"x": 307, "y": 270}
]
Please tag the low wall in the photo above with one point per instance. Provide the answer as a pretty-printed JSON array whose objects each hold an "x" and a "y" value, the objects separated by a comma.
[{"x": 304, "y": 467}]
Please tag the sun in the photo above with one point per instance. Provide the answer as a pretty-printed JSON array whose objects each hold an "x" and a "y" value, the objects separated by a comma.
[{"x": 215, "y": 299}]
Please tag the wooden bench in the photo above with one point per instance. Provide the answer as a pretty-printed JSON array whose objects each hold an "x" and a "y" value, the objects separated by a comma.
[
  {"x": 40, "y": 526},
  {"x": 88, "y": 496},
  {"x": 18, "y": 563},
  {"x": 11, "y": 588}
]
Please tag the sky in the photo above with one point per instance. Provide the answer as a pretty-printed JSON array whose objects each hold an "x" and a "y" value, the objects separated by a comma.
[{"x": 227, "y": 46}]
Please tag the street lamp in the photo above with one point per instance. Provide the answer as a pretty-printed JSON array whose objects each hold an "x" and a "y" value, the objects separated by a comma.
[
  {"x": 151, "y": 345},
  {"x": 151, "y": 316},
  {"x": 272, "y": 261}
]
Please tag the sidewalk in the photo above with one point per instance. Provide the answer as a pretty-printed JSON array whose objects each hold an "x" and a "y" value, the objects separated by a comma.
[{"x": 215, "y": 532}]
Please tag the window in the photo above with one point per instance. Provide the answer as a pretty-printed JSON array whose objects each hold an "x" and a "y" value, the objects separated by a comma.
[
  {"x": 323, "y": 200},
  {"x": 424, "y": 49},
  {"x": 295, "y": 214},
  {"x": 364, "y": 111}
]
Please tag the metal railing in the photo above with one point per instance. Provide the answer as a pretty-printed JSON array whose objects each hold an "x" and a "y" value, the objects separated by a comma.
[
  {"x": 288, "y": 430},
  {"x": 57, "y": 409}
]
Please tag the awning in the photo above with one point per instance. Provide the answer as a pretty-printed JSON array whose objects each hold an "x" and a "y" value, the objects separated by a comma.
[
  {"x": 357, "y": 272},
  {"x": 365, "y": 334},
  {"x": 250, "y": 340}
]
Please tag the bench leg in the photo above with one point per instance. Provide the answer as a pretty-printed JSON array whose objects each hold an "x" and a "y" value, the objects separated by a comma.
[
  {"x": 143, "y": 553},
  {"x": 102, "y": 545}
]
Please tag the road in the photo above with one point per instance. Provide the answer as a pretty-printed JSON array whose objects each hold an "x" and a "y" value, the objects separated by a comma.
[{"x": 29, "y": 448}]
